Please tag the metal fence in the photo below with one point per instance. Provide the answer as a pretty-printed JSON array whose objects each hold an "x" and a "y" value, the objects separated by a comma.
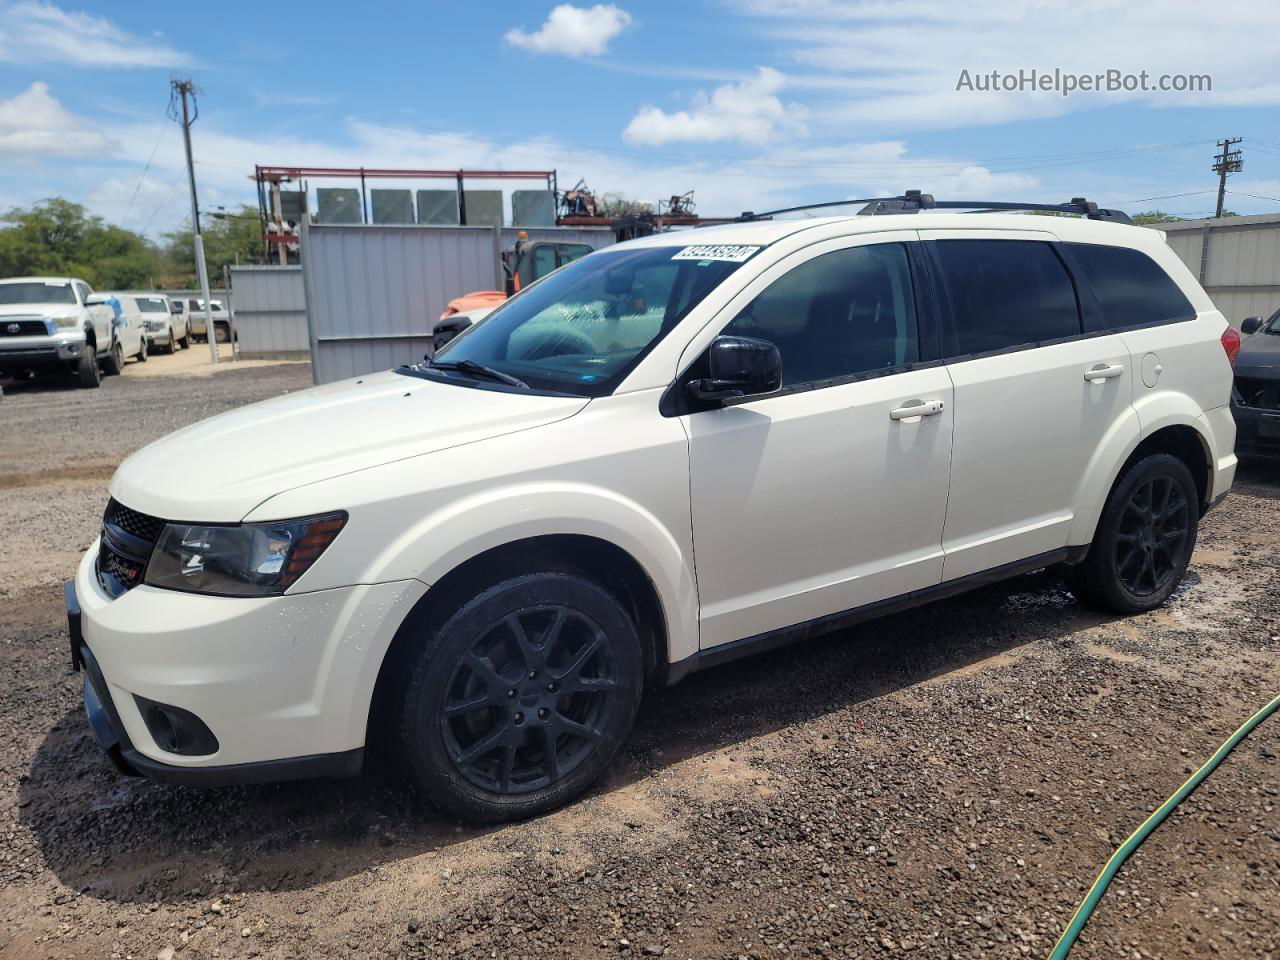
[
  {"x": 269, "y": 310},
  {"x": 1236, "y": 259},
  {"x": 373, "y": 292}
]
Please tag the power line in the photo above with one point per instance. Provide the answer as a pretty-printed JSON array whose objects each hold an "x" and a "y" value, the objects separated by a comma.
[
  {"x": 142, "y": 176},
  {"x": 1254, "y": 196},
  {"x": 172, "y": 187},
  {"x": 1167, "y": 196}
]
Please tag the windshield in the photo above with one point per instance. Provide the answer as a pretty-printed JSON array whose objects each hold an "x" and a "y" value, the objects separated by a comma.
[
  {"x": 151, "y": 305},
  {"x": 38, "y": 292},
  {"x": 582, "y": 329},
  {"x": 1273, "y": 325}
]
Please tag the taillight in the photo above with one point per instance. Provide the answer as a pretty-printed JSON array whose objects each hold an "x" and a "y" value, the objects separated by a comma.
[{"x": 1231, "y": 344}]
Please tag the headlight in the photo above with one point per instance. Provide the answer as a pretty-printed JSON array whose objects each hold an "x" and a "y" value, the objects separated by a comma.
[
  {"x": 245, "y": 560},
  {"x": 66, "y": 323}
]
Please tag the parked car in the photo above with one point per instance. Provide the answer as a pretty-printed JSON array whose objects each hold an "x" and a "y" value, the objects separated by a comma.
[
  {"x": 166, "y": 330},
  {"x": 482, "y": 561},
  {"x": 1256, "y": 398},
  {"x": 193, "y": 309},
  {"x": 51, "y": 325},
  {"x": 131, "y": 329}
]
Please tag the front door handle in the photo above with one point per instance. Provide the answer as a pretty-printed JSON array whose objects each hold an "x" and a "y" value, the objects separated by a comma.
[
  {"x": 1104, "y": 371},
  {"x": 916, "y": 408}
]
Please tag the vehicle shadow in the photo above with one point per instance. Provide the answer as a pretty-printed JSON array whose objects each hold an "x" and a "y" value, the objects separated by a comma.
[{"x": 132, "y": 840}]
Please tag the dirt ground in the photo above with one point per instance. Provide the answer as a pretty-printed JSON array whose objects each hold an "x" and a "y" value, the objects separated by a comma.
[{"x": 942, "y": 783}]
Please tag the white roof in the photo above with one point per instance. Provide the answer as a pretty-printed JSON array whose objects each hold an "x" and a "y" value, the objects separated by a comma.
[
  {"x": 41, "y": 280},
  {"x": 765, "y": 232}
]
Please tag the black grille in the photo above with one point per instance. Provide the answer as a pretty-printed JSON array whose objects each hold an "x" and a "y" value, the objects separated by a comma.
[
  {"x": 1264, "y": 394},
  {"x": 125, "y": 547},
  {"x": 116, "y": 572},
  {"x": 23, "y": 328},
  {"x": 132, "y": 522}
]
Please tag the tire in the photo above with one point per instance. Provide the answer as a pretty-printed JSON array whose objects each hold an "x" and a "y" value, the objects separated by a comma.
[
  {"x": 1144, "y": 541},
  {"x": 185, "y": 341},
  {"x": 87, "y": 369},
  {"x": 172, "y": 348},
  {"x": 142, "y": 351},
  {"x": 221, "y": 333},
  {"x": 570, "y": 676},
  {"x": 113, "y": 363}
]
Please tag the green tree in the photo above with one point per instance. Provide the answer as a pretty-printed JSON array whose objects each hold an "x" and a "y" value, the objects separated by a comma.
[
  {"x": 1155, "y": 216},
  {"x": 59, "y": 237},
  {"x": 230, "y": 237}
]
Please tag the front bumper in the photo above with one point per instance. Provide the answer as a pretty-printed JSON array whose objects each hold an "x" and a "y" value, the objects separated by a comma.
[
  {"x": 283, "y": 684},
  {"x": 1257, "y": 431},
  {"x": 33, "y": 352}
]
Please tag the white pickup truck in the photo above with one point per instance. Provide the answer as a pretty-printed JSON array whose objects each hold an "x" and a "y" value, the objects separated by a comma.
[{"x": 48, "y": 325}]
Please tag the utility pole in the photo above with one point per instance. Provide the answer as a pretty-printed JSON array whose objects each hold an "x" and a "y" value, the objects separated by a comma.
[
  {"x": 182, "y": 90},
  {"x": 1228, "y": 161}
]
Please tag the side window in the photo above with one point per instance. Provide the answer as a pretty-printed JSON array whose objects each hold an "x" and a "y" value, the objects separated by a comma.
[
  {"x": 1132, "y": 289},
  {"x": 544, "y": 259},
  {"x": 840, "y": 314},
  {"x": 84, "y": 291},
  {"x": 1005, "y": 293},
  {"x": 569, "y": 252}
]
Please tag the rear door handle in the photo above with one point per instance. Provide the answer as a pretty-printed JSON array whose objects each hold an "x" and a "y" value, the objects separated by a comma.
[
  {"x": 916, "y": 408},
  {"x": 1104, "y": 371}
]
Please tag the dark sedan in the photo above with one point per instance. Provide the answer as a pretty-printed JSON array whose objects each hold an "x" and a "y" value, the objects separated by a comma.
[{"x": 1256, "y": 398}]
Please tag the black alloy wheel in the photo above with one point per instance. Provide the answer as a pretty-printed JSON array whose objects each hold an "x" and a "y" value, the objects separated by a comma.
[
  {"x": 1144, "y": 539},
  {"x": 1151, "y": 541},
  {"x": 522, "y": 697}
]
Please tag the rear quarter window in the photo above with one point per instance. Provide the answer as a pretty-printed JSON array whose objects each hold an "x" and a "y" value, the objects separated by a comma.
[{"x": 1132, "y": 290}]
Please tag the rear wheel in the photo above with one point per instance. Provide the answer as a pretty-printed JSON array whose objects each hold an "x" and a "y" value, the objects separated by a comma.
[
  {"x": 222, "y": 333},
  {"x": 1144, "y": 540},
  {"x": 113, "y": 363},
  {"x": 520, "y": 700},
  {"x": 87, "y": 368}
]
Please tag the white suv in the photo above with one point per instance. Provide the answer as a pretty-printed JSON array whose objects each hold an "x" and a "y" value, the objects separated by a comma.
[{"x": 665, "y": 455}]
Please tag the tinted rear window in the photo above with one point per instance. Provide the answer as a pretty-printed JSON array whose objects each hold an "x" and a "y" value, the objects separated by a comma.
[
  {"x": 1005, "y": 293},
  {"x": 1131, "y": 288}
]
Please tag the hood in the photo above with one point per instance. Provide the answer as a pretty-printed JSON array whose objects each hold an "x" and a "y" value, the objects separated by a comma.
[
  {"x": 37, "y": 309},
  {"x": 221, "y": 468},
  {"x": 1259, "y": 356}
]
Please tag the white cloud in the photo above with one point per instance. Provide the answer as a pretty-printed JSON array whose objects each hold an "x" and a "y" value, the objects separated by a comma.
[
  {"x": 573, "y": 31},
  {"x": 748, "y": 112},
  {"x": 33, "y": 31},
  {"x": 896, "y": 65},
  {"x": 34, "y": 124}
]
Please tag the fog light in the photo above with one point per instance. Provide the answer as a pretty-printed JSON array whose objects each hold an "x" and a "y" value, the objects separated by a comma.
[{"x": 176, "y": 730}]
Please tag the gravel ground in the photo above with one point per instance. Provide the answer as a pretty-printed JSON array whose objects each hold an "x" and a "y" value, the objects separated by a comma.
[{"x": 944, "y": 783}]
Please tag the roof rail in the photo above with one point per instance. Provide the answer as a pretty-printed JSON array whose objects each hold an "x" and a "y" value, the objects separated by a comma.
[{"x": 913, "y": 201}]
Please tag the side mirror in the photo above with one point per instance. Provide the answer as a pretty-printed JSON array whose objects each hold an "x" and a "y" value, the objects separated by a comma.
[
  {"x": 740, "y": 367},
  {"x": 1250, "y": 325}
]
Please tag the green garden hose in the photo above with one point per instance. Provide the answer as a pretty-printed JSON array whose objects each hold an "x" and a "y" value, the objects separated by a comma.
[{"x": 1085, "y": 910}]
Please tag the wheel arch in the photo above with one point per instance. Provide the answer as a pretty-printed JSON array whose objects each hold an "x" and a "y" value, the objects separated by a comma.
[
  {"x": 590, "y": 557},
  {"x": 1180, "y": 437}
]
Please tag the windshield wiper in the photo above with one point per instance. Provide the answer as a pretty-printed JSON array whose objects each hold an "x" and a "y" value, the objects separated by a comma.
[{"x": 480, "y": 370}]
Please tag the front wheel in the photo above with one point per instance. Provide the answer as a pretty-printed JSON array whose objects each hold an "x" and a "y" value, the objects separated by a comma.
[
  {"x": 87, "y": 368},
  {"x": 520, "y": 700},
  {"x": 1144, "y": 541},
  {"x": 142, "y": 351}
]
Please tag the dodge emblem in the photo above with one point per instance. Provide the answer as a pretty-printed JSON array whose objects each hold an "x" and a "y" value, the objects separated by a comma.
[{"x": 13, "y": 328}]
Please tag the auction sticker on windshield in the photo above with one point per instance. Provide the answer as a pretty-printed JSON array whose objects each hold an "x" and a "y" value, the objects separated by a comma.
[{"x": 732, "y": 253}]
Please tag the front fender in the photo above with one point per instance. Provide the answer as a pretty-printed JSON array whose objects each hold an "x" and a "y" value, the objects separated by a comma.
[{"x": 443, "y": 540}]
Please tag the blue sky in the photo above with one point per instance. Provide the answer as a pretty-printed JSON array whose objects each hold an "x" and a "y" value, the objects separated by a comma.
[{"x": 750, "y": 103}]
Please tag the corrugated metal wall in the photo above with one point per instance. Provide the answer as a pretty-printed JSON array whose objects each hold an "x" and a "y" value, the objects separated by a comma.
[
  {"x": 373, "y": 292},
  {"x": 1236, "y": 259},
  {"x": 269, "y": 309}
]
